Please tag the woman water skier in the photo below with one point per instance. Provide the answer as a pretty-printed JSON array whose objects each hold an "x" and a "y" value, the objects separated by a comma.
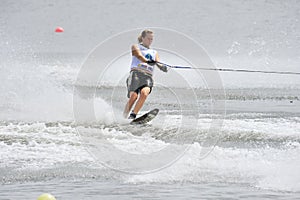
[{"x": 140, "y": 82}]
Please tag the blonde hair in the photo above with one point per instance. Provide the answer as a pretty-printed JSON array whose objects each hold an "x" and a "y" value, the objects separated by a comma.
[{"x": 143, "y": 34}]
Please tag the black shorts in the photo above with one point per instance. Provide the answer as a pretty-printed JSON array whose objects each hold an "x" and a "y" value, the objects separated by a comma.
[{"x": 137, "y": 80}]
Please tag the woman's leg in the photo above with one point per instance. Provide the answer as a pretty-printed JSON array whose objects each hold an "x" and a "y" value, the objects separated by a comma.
[
  {"x": 131, "y": 101},
  {"x": 143, "y": 96}
]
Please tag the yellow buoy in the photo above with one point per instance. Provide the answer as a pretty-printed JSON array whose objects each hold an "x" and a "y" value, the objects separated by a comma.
[{"x": 46, "y": 196}]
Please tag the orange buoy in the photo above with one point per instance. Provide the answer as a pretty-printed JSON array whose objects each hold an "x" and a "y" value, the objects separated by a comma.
[{"x": 59, "y": 30}]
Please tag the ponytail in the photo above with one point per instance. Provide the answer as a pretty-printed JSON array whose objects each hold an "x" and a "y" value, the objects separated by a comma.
[{"x": 140, "y": 38}]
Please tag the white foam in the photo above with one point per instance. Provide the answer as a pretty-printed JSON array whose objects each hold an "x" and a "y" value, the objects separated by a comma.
[
  {"x": 264, "y": 168},
  {"x": 36, "y": 146}
]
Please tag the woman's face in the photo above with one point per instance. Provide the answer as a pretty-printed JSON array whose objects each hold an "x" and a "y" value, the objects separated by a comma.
[{"x": 147, "y": 40}]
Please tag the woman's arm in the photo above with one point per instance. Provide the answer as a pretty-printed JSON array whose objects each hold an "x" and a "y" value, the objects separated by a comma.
[
  {"x": 160, "y": 66},
  {"x": 137, "y": 53}
]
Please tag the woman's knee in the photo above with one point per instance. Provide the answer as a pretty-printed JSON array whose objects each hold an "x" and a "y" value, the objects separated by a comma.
[
  {"x": 133, "y": 96},
  {"x": 145, "y": 92}
]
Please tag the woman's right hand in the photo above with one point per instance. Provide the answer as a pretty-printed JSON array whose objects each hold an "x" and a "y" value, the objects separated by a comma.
[{"x": 151, "y": 62}]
